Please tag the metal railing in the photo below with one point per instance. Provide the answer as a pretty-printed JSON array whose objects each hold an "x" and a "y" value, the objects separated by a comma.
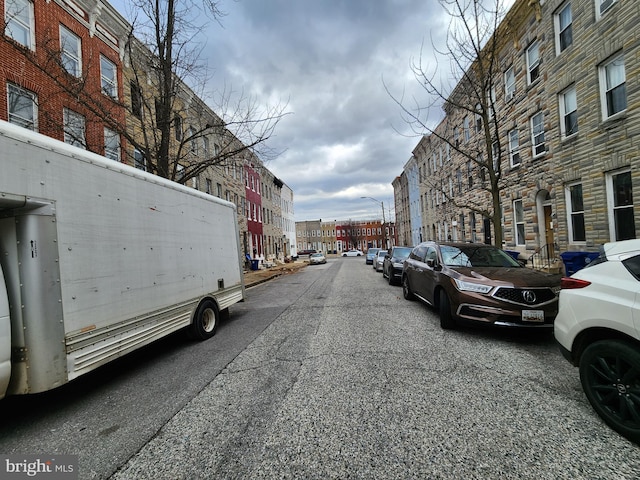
[{"x": 545, "y": 257}]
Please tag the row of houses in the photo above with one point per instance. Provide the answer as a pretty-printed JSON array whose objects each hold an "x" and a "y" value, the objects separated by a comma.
[
  {"x": 339, "y": 236},
  {"x": 74, "y": 71},
  {"x": 538, "y": 149}
]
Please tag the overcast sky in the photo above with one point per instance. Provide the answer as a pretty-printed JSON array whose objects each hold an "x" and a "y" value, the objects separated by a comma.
[{"x": 330, "y": 60}]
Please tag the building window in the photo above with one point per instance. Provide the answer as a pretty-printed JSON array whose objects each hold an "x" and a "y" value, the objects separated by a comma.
[
  {"x": 139, "y": 160},
  {"x": 518, "y": 221},
  {"x": 533, "y": 62},
  {"x": 612, "y": 87},
  {"x": 208, "y": 186},
  {"x": 514, "y": 148},
  {"x": 575, "y": 213},
  {"x": 70, "y": 52},
  {"x": 564, "y": 33},
  {"x": 491, "y": 101},
  {"x": 568, "y": 105},
  {"x": 193, "y": 141},
  {"x": 19, "y": 22},
  {"x": 218, "y": 190},
  {"x": 74, "y": 129},
  {"x": 537, "y": 134},
  {"x": 111, "y": 144},
  {"x": 205, "y": 150},
  {"x": 22, "y": 107},
  {"x": 509, "y": 84},
  {"x": 108, "y": 77},
  {"x": 603, "y": 5},
  {"x": 620, "y": 201},
  {"x": 465, "y": 127},
  {"x": 136, "y": 99},
  {"x": 470, "y": 173},
  {"x": 478, "y": 118},
  {"x": 177, "y": 125}
]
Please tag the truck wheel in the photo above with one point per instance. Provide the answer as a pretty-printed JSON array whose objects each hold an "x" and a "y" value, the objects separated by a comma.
[
  {"x": 610, "y": 376},
  {"x": 205, "y": 321}
]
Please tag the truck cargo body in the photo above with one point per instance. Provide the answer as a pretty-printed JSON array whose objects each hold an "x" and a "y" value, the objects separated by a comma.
[{"x": 99, "y": 259}]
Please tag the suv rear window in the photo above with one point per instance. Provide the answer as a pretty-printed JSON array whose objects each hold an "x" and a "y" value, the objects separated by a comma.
[{"x": 633, "y": 265}]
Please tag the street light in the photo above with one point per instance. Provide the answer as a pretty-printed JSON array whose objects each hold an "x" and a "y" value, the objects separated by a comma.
[{"x": 384, "y": 221}]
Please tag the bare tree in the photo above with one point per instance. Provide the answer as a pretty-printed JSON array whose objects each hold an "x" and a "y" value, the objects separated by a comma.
[
  {"x": 462, "y": 82},
  {"x": 171, "y": 128}
]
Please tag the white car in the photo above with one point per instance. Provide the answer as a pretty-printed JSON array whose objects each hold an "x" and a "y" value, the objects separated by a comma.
[
  {"x": 598, "y": 329},
  {"x": 317, "y": 258},
  {"x": 378, "y": 261},
  {"x": 352, "y": 253}
]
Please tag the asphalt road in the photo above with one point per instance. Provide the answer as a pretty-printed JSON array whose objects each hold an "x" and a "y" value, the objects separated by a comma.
[{"x": 329, "y": 373}]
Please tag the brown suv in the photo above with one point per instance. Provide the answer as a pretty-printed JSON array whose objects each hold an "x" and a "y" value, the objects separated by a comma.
[{"x": 480, "y": 283}]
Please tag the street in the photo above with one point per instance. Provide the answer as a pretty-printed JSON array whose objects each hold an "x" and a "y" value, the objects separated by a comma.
[{"x": 328, "y": 373}]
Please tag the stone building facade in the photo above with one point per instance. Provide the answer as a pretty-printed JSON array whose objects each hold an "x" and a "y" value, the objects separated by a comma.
[{"x": 564, "y": 103}]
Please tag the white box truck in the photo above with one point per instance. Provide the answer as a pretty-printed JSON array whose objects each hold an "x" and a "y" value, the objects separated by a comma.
[{"x": 99, "y": 259}]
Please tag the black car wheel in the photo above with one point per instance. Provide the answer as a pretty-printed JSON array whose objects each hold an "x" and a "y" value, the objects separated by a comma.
[
  {"x": 610, "y": 376},
  {"x": 446, "y": 319},
  {"x": 390, "y": 277},
  {"x": 406, "y": 289}
]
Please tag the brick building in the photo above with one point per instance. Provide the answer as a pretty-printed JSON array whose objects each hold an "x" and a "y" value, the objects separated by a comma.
[
  {"x": 564, "y": 104},
  {"x": 61, "y": 71}
]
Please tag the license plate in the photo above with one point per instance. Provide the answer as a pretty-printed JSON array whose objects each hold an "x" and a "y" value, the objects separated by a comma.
[{"x": 533, "y": 316}]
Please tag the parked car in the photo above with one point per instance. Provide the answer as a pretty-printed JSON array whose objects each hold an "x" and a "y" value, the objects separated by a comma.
[
  {"x": 598, "y": 330},
  {"x": 393, "y": 263},
  {"x": 317, "y": 258},
  {"x": 479, "y": 283},
  {"x": 371, "y": 254},
  {"x": 302, "y": 253},
  {"x": 352, "y": 253},
  {"x": 377, "y": 262}
]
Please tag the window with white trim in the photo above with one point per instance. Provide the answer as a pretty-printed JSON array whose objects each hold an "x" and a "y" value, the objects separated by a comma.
[
  {"x": 518, "y": 222},
  {"x": 467, "y": 132},
  {"x": 514, "y": 147},
  {"x": 537, "y": 135},
  {"x": 602, "y": 6},
  {"x": 533, "y": 62},
  {"x": 613, "y": 91},
  {"x": 563, "y": 21},
  {"x": 108, "y": 77},
  {"x": 575, "y": 213},
  {"x": 509, "y": 84},
  {"x": 139, "y": 160},
  {"x": 620, "y": 205},
  {"x": 70, "y": 52},
  {"x": 22, "y": 107},
  {"x": 19, "y": 22},
  {"x": 74, "y": 129},
  {"x": 111, "y": 144},
  {"x": 568, "y": 106}
]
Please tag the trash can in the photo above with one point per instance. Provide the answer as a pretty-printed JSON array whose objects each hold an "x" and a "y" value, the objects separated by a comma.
[
  {"x": 514, "y": 254},
  {"x": 255, "y": 264},
  {"x": 574, "y": 261}
]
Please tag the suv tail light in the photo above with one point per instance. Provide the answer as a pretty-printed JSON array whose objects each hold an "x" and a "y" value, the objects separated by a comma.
[{"x": 567, "y": 283}]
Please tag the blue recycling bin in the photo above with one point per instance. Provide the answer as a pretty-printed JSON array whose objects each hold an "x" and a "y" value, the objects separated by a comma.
[
  {"x": 574, "y": 261},
  {"x": 513, "y": 253},
  {"x": 255, "y": 264}
]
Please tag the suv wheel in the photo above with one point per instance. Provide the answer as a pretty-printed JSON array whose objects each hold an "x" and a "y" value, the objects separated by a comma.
[
  {"x": 610, "y": 376},
  {"x": 446, "y": 319},
  {"x": 406, "y": 289}
]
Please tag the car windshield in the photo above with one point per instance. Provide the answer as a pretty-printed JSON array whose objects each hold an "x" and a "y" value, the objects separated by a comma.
[
  {"x": 475, "y": 256},
  {"x": 316, "y": 254},
  {"x": 382, "y": 253},
  {"x": 401, "y": 252}
]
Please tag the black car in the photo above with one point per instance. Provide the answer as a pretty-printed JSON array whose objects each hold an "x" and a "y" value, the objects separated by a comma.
[{"x": 392, "y": 264}]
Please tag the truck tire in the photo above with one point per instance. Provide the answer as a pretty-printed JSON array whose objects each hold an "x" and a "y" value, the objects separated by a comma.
[{"x": 205, "y": 321}]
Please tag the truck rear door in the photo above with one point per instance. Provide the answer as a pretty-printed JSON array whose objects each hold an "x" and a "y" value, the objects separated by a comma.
[{"x": 5, "y": 338}]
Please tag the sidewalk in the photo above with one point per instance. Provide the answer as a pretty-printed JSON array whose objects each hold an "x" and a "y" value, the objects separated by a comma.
[{"x": 255, "y": 277}]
